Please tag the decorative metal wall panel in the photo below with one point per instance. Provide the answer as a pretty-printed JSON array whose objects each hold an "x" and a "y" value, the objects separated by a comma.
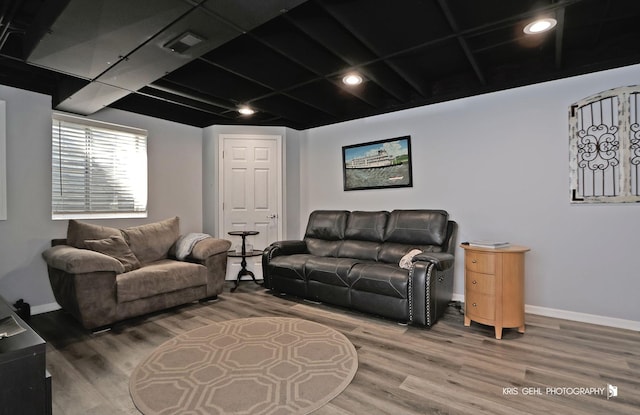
[{"x": 604, "y": 144}]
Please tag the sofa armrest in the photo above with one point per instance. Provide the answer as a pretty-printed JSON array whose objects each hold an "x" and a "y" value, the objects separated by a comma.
[
  {"x": 441, "y": 260},
  {"x": 430, "y": 293},
  {"x": 80, "y": 261},
  {"x": 209, "y": 247},
  {"x": 288, "y": 248}
]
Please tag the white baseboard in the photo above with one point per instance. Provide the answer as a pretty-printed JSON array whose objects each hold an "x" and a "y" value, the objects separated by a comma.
[
  {"x": 44, "y": 308},
  {"x": 574, "y": 316}
]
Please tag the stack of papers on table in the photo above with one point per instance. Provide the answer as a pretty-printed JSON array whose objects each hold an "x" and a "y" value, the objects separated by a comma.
[
  {"x": 489, "y": 244},
  {"x": 10, "y": 327}
]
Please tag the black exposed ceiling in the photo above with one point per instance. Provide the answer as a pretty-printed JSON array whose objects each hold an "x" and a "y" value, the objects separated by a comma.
[{"x": 286, "y": 58}]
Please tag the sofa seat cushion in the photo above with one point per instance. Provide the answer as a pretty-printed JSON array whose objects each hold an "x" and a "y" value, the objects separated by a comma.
[
  {"x": 331, "y": 271},
  {"x": 159, "y": 277},
  {"x": 289, "y": 266},
  {"x": 379, "y": 278}
]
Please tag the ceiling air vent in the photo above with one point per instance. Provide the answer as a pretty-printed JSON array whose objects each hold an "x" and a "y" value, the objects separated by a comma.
[{"x": 184, "y": 42}]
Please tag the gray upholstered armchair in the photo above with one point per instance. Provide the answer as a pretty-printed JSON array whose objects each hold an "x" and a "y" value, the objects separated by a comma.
[{"x": 102, "y": 275}]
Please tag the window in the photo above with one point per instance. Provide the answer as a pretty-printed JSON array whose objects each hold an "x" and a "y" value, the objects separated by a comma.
[
  {"x": 99, "y": 170},
  {"x": 604, "y": 145}
]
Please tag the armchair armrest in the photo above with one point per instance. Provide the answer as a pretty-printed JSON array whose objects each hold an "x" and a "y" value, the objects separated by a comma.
[
  {"x": 441, "y": 260},
  {"x": 208, "y": 247},
  {"x": 212, "y": 253},
  {"x": 80, "y": 261}
]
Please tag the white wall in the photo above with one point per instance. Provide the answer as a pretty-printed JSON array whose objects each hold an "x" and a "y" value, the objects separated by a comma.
[
  {"x": 175, "y": 188},
  {"x": 499, "y": 164}
]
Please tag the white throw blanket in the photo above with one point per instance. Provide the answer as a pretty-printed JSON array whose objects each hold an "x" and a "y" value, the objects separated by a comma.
[
  {"x": 407, "y": 260},
  {"x": 185, "y": 244}
]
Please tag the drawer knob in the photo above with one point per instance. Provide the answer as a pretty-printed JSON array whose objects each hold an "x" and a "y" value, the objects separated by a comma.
[
  {"x": 474, "y": 261},
  {"x": 474, "y": 282},
  {"x": 474, "y": 304}
]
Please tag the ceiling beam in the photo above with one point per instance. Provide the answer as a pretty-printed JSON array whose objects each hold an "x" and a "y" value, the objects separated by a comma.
[
  {"x": 403, "y": 74},
  {"x": 350, "y": 62},
  {"x": 179, "y": 91},
  {"x": 7, "y": 14},
  {"x": 274, "y": 91},
  {"x": 559, "y": 31},
  {"x": 461, "y": 40},
  {"x": 356, "y": 92}
]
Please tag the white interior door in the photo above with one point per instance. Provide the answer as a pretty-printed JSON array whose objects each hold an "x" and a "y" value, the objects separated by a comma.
[{"x": 250, "y": 184}]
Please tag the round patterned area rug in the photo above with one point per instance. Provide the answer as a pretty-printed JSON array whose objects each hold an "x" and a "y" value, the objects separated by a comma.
[{"x": 263, "y": 365}]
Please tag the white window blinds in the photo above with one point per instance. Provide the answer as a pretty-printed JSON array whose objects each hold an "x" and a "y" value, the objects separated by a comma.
[{"x": 98, "y": 169}]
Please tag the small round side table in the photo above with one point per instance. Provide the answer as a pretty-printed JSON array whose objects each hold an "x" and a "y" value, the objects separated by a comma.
[{"x": 244, "y": 255}]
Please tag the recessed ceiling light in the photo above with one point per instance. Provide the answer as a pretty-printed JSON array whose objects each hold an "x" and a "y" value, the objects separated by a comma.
[
  {"x": 352, "y": 79},
  {"x": 540, "y": 25},
  {"x": 245, "y": 110}
]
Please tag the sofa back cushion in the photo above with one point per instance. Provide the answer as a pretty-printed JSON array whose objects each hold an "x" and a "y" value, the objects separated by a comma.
[
  {"x": 417, "y": 227},
  {"x": 321, "y": 247},
  {"x": 116, "y": 247},
  {"x": 366, "y": 226},
  {"x": 152, "y": 241},
  {"x": 327, "y": 224},
  {"x": 360, "y": 249},
  {"x": 78, "y": 232},
  {"x": 378, "y": 236}
]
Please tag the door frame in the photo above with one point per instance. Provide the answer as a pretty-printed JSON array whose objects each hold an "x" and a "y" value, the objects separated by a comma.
[{"x": 279, "y": 179}]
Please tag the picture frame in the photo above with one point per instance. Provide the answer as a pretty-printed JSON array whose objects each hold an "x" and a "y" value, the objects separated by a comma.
[{"x": 377, "y": 164}]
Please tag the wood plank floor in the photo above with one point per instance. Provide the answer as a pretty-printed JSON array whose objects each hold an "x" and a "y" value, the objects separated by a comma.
[{"x": 448, "y": 369}]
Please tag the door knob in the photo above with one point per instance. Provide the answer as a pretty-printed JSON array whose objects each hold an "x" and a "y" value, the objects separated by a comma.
[{"x": 272, "y": 216}]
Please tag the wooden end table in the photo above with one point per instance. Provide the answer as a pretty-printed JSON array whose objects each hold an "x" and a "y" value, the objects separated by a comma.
[
  {"x": 244, "y": 255},
  {"x": 494, "y": 287}
]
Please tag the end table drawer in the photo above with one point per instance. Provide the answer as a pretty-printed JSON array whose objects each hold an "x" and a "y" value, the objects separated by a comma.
[
  {"x": 480, "y": 305},
  {"x": 481, "y": 283},
  {"x": 480, "y": 262}
]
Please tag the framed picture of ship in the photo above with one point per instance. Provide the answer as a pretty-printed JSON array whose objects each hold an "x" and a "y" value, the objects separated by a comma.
[{"x": 377, "y": 164}]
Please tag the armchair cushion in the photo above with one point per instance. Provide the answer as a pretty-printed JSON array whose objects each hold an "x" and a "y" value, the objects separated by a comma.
[
  {"x": 116, "y": 247},
  {"x": 151, "y": 242},
  {"x": 78, "y": 232},
  {"x": 159, "y": 277},
  {"x": 80, "y": 261}
]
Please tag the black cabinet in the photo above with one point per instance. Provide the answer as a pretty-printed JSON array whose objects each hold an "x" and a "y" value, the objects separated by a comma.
[{"x": 25, "y": 385}]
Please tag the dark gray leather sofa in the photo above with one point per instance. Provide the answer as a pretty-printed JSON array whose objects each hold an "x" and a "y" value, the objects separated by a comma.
[{"x": 351, "y": 259}]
